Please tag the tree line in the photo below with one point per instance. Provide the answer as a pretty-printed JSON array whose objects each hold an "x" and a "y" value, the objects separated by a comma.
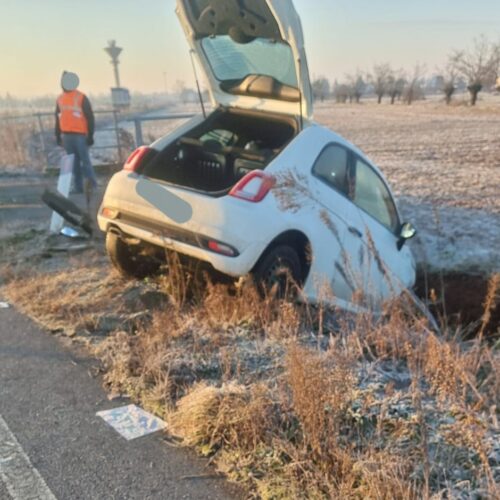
[{"x": 473, "y": 69}]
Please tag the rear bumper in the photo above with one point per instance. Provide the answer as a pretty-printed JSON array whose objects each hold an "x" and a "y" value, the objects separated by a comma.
[
  {"x": 247, "y": 227},
  {"x": 185, "y": 242}
]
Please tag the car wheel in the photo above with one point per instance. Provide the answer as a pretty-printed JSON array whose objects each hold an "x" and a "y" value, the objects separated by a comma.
[
  {"x": 127, "y": 259},
  {"x": 279, "y": 272}
]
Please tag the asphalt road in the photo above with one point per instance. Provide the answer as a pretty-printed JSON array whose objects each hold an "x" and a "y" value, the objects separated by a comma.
[
  {"x": 48, "y": 404},
  {"x": 21, "y": 207}
]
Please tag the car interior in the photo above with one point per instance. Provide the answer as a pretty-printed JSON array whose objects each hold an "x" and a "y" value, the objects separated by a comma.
[{"x": 215, "y": 155}]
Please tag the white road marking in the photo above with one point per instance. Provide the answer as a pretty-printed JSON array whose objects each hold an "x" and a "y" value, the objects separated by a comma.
[{"x": 22, "y": 480}]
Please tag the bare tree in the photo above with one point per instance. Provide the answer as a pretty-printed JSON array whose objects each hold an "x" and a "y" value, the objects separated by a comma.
[
  {"x": 496, "y": 52},
  {"x": 321, "y": 88},
  {"x": 380, "y": 80},
  {"x": 341, "y": 92},
  {"x": 357, "y": 86},
  {"x": 479, "y": 65},
  {"x": 396, "y": 84},
  {"x": 448, "y": 84},
  {"x": 413, "y": 89}
]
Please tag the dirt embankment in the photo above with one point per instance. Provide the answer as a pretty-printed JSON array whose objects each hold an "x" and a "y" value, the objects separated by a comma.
[{"x": 459, "y": 299}]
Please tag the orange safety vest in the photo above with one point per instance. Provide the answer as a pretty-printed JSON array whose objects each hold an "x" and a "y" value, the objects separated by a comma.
[{"x": 71, "y": 116}]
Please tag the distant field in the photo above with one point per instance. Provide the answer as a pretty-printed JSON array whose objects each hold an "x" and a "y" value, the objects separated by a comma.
[{"x": 448, "y": 155}]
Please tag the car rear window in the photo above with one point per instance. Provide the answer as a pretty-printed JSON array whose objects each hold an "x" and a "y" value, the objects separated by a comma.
[{"x": 235, "y": 61}]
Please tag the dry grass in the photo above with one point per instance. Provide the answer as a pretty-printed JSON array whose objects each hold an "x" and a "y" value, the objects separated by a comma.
[
  {"x": 13, "y": 139},
  {"x": 20, "y": 143},
  {"x": 78, "y": 296},
  {"x": 213, "y": 417},
  {"x": 280, "y": 402}
]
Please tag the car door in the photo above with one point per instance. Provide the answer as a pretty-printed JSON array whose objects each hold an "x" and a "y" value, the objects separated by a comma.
[
  {"x": 388, "y": 268},
  {"x": 331, "y": 182}
]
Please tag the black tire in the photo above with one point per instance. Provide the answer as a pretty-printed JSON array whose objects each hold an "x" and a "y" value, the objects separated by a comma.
[
  {"x": 127, "y": 259},
  {"x": 279, "y": 272},
  {"x": 67, "y": 210}
]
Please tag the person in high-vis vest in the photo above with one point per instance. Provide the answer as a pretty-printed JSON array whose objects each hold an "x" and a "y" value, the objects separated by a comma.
[{"x": 75, "y": 130}]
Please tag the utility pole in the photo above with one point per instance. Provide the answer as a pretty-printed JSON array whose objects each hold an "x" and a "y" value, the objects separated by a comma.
[
  {"x": 114, "y": 52},
  {"x": 119, "y": 95}
]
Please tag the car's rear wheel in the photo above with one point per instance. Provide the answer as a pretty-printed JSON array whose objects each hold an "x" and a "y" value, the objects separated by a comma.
[
  {"x": 279, "y": 272},
  {"x": 127, "y": 258}
]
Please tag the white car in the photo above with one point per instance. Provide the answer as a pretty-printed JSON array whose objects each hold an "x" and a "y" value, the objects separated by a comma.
[{"x": 257, "y": 187}]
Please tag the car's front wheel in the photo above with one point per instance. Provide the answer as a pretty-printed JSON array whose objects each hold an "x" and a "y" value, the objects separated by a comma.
[
  {"x": 279, "y": 272},
  {"x": 127, "y": 258}
]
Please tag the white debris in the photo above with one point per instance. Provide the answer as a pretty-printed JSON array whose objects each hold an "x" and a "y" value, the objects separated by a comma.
[
  {"x": 132, "y": 422},
  {"x": 4, "y": 305}
]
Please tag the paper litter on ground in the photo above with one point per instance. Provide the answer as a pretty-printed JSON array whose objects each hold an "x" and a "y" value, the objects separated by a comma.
[{"x": 132, "y": 422}]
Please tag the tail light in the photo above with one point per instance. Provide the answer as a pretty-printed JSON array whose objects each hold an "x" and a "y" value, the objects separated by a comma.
[
  {"x": 254, "y": 187},
  {"x": 221, "y": 248},
  {"x": 135, "y": 159},
  {"x": 110, "y": 213}
]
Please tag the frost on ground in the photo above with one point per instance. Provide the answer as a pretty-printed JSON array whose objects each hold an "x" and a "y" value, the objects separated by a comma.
[
  {"x": 280, "y": 399},
  {"x": 444, "y": 166},
  {"x": 454, "y": 239}
]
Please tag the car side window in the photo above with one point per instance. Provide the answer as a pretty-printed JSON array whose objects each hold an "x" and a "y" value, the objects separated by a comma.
[
  {"x": 332, "y": 167},
  {"x": 372, "y": 195}
]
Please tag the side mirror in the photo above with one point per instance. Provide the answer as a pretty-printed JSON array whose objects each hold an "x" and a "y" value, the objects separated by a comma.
[{"x": 406, "y": 233}]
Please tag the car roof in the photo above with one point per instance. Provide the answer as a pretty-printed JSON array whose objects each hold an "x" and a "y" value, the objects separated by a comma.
[
  {"x": 319, "y": 137},
  {"x": 329, "y": 136}
]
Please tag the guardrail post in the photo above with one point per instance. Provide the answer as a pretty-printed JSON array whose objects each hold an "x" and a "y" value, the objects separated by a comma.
[
  {"x": 117, "y": 132},
  {"x": 139, "y": 140}
]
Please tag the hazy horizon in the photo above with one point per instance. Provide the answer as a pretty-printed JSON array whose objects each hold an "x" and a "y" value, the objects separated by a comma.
[{"x": 40, "y": 39}]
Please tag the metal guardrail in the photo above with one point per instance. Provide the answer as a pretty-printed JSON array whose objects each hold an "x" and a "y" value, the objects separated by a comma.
[
  {"x": 138, "y": 120},
  {"x": 114, "y": 128},
  {"x": 117, "y": 118}
]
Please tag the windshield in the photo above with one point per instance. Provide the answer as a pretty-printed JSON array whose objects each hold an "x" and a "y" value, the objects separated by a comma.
[{"x": 234, "y": 61}]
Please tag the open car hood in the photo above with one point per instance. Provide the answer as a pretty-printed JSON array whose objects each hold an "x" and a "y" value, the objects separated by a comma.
[{"x": 252, "y": 53}]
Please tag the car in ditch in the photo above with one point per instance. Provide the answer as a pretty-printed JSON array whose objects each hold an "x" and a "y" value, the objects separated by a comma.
[{"x": 257, "y": 187}]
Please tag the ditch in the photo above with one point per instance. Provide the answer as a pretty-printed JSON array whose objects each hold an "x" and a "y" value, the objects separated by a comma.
[{"x": 459, "y": 299}]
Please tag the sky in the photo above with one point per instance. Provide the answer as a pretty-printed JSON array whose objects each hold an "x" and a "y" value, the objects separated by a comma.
[{"x": 41, "y": 38}]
